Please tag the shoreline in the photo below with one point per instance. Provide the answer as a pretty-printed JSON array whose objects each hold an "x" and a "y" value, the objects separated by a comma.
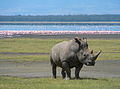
[
  {"x": 61, "y": 34},
  {"x": 59, "y": 22},
  {"x": 57, "y": 32}
]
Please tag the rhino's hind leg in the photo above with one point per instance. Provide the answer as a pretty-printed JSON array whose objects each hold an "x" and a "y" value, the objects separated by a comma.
[
  {"x": 63, "y": 73},
  {"x": 66, "y": 67},
  {"x": 53, "y": 68}
]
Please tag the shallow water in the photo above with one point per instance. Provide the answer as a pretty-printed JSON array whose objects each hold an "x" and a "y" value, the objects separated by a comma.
[{"x": 59, "y": 28}]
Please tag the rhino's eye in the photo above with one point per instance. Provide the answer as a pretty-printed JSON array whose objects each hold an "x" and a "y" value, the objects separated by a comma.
[
  {"x": 82, "y": 46},
  {"x": 85, "y": 55}
]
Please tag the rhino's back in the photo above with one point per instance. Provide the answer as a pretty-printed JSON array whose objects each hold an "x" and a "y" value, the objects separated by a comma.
[
  {"x": 58, "y": 51},
  {"x": 64, "y": 51}
]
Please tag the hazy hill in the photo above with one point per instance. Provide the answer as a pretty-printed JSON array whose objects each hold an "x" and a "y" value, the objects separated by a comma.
[{"x": 61, "y": 18}]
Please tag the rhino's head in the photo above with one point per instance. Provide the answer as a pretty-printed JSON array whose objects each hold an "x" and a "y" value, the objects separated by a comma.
[
  {"x": 85, "y": 56},
  {"x": 88, "y": 58}
]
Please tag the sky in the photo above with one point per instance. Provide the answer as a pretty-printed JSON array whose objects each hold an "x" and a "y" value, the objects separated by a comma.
[{"x": 59, "y": 7}]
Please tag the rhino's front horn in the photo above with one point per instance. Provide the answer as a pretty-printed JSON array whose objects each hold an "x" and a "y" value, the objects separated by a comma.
[
  {"x": 96, "y": 55},
  {"x": 91, "y": 52}
]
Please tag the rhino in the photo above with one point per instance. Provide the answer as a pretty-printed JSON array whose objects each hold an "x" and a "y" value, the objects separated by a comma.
[{"x": 70, "y": 54}]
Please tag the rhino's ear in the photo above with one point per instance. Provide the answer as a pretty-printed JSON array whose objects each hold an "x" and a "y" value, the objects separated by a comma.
[
  {"x": 85, "y": 39},
  {"x": 77, "y": 40}
]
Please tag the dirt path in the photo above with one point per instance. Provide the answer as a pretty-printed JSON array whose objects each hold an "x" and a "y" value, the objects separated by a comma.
[
  {"x": 106, "y": 68},
  {"x": 14, "y": 53}
]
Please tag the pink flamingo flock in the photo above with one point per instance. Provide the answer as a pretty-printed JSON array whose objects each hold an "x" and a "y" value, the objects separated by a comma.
[{"x": 56, "y": 32}]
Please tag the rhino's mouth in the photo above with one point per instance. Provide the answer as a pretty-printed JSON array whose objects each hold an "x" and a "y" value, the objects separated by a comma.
[{"x": 90, "y": 64}]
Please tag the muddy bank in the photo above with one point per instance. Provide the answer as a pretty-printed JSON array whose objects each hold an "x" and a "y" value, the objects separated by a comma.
[
  {"x": 102, "y": 69},
  {"x": 61, "y": 36}
]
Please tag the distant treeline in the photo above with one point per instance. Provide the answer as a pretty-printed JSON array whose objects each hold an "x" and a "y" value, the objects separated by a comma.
[{"x": 61, "y": 18}]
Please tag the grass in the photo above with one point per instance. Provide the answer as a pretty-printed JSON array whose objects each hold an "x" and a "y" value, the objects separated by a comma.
[
  {"x": 27, "y": 45},
  {"x": 105, "y": 45},
  {"x": 49, "y": 83},
  {"x": 110, "y": 48},
  {"x": 35, "y": 45}
]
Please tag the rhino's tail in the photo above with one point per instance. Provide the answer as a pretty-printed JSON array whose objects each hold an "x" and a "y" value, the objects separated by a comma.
[{"x": 51, "y": 60}]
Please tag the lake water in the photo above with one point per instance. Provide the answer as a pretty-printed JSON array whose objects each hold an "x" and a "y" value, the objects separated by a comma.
[{"x": 59, "y": 27}]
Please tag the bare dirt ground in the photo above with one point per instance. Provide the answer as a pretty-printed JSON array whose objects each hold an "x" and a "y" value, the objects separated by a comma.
[{"x": 102, "y": 69}]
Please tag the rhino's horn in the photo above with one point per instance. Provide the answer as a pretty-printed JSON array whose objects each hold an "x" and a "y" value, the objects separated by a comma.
[
  {"x": 91, "y": 52},
  {"x": 85, "y": 39},
  {"x": 96, "y": 55}
]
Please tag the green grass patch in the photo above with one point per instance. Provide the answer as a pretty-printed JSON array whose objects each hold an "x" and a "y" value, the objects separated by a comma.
[
  {"x": 109, "y": 56},
  {"x": 49, "y": 83},
  {"x": 110, "y": 48},
  {"x": 25, "y": 57},
  {"x": 27, "y": 45},
  {"x": 35, "y": 45},
  {"x": 111, "y": 45}
]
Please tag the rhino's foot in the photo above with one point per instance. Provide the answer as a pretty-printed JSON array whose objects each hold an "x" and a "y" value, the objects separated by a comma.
[
  {"x": 77, "y": 78},
  {"x": 63, "y": 74},
  {"x": 63, "y": 77},
  {"x": 54, "y": 77},
  {"x": 67, "y": 78}
]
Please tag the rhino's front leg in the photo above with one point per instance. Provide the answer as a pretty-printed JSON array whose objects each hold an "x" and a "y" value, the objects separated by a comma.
[
  {"x": 63, "y": 73},
  {"x": 77, "y": 71},
  {"x": 66, "y": 67},
  {"x": 54, "y": 70}
]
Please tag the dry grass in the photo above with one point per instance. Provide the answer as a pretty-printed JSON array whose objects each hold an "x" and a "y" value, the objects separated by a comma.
[{"x": 110, "y": 48}]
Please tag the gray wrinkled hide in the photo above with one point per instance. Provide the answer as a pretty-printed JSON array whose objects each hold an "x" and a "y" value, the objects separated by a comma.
[
  {"x": 65, "y": 51},
  {"x": 69, "y": 54}
]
